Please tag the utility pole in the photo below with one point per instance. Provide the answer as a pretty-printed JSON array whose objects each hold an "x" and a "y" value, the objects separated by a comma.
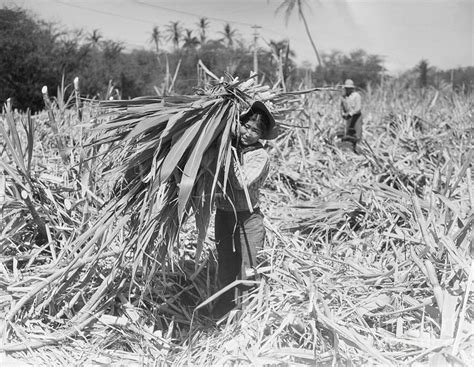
[
  {"x": 255, "y": 56},
  {"x": 452, "y": 79},
  {"x": 382, "y": 74}
]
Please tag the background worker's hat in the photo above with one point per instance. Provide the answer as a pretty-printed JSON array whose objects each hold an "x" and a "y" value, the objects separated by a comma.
[
  {"x": 349, "y": 83},
  {"x": 271, "y": 130}
]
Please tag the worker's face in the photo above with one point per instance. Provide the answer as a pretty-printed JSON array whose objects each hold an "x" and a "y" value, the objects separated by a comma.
[
  {"x": 250, "y": 132},
  {"x": 348, "y": 91}
]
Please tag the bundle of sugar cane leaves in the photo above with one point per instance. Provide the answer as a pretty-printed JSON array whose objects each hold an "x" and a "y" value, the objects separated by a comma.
[{"x": 169, "y": 152}]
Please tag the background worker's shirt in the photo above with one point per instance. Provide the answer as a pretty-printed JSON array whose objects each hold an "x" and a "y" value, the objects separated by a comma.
[
  {"x": 352, "y": 104},
  {"x": 251, "y": 173}
]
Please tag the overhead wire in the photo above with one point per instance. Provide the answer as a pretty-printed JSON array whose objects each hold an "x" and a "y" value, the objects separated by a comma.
[
  {"x": 191, "y": 14},
  {"x": 204, "y": 16},
  {"x": 144, "y": 3},
  {"x": 218, "y": 19},
  {"x": 82, "y": 7},
  {"x": 110, "y": 14},
  {"x": 73, "y": 5}
]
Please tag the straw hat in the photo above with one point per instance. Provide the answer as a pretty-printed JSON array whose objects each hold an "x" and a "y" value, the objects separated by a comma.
[
  {"x": 349, "y": 83},
  {"x": 271, "y": 131}
]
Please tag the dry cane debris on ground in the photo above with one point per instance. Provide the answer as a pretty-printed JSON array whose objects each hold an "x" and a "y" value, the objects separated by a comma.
[{"x": 368, "y": 258}]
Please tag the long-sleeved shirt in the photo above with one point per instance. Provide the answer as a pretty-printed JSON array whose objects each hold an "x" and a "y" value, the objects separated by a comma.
[
  {"x": 351, "y": 104},
  {"x": 250, "y": 173}
]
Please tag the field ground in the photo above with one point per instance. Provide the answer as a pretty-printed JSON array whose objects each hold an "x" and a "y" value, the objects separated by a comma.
[{"x": 368, "y": 260}]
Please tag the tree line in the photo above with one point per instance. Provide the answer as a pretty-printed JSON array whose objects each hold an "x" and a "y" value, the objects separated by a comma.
[{"x": 36, "y": 53}]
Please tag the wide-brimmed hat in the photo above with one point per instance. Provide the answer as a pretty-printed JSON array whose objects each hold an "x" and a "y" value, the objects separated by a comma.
[
  {"x": 349, "y": 83},
  {"x": 271, "y": 130}
]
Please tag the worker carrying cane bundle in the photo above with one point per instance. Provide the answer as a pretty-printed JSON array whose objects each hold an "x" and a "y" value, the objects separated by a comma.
[{"x": 239, "y": 228}]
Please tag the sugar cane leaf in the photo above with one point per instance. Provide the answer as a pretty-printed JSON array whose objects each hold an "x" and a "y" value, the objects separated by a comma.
[
  {"x": 449, "y": 204},
  {"x": 147, "y": 124},
  {"x": 177, "y": 150},
  {"x": 14, "y": 134},
  {"x": 227, "y": 167},
  {"x": 118, "y": 122},
  {"x": 223, "y": 149},
  {"x": 214, "y": 125},
  {"x": 181, "y": 144},
  {"x": 30, "y": 140},
  {"x": 462, "y": 171},
  {"x": 13, "y": 174},
  {"x": 184, "y": 117},
  {"x": 172, "y": 123},
  {"x": 203, "y": 211},
  {"x": 18, "y": 160}
]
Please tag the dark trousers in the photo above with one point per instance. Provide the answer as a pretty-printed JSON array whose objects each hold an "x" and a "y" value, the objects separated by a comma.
[
  {"x": 239, "y": 237},
  {"x": 354, "y": 129}
]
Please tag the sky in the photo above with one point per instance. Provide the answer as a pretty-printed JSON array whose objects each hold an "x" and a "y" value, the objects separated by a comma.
[{"x": 402, "y": 32}]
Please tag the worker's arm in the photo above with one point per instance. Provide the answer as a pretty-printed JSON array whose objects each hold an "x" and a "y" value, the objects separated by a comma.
[{"x": 344, "y": 109}]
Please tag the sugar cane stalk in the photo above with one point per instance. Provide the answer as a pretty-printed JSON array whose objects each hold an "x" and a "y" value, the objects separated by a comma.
[
  {"x": 77, "y": 94},
  {"x": 53, "y": 124}
]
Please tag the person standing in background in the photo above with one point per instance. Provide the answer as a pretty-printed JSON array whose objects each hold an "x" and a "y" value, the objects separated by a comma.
[{"x": 351, "y": 111}]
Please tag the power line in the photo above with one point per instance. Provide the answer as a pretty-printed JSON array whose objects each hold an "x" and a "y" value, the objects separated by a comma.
[
  {"x": 202, "y": 16},
  {"x": 162, "y": 8},
  {"x": 189, "y": 13},
  {"x": 133, "y": 44},
  {"x": 103, "y": 12},
  {"x": 73, "y": 5}
]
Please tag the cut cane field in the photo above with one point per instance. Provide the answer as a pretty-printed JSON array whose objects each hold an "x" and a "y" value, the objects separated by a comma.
[{"x": 107, "y": 253}]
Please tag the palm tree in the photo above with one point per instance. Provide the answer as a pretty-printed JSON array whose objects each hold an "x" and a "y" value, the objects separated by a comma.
[
  {"x": 94, "y": 37},
  {"x": 175, "y": 33},
  {"x": 203, "y": 25},
  {"x": 156, "y": 38},
  {"x": 189, "y": 40},
  {"x": 289, "y": 5},
  {"x": 229, "y": 35},
  {"x": 282, "y": 48},
  {"x": 282, "y": 55}
]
